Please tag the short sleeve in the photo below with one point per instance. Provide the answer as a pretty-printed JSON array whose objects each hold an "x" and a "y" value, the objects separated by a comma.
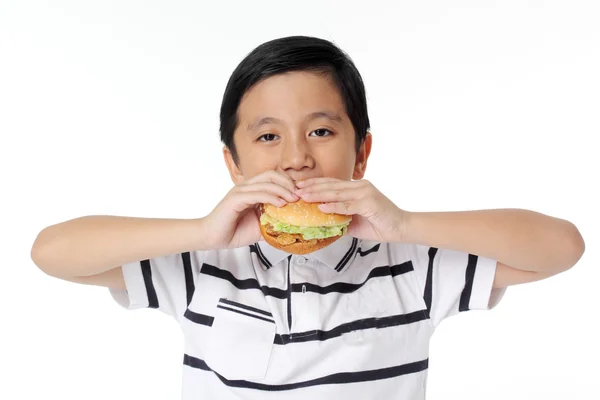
[
  {"x": 165, "y": 283},
  {"x": 453, "y": 281}
]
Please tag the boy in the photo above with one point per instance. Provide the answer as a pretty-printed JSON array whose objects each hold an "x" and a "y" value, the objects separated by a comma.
[{"x": 352, "y": 320}]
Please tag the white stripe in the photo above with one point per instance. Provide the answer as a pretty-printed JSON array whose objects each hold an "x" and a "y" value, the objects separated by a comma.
[{"x": 356, "y": 351}]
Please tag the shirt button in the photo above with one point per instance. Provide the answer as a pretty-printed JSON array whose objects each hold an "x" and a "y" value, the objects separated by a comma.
[{"x": 301, "y": 260}]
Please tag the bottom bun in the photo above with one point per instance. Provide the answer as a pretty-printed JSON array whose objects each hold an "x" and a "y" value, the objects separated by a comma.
[{"x": 301, "y": 246}]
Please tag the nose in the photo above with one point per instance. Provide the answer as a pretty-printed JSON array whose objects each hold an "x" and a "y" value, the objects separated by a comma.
[{"x": 296, "y": 155}]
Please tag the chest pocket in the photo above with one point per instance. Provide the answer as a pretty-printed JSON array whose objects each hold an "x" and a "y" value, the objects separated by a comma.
[{"x": 241, "y": 340}]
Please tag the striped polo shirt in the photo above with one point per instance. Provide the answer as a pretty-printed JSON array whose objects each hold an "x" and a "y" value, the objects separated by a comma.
[{"x": 352, "y": 320}]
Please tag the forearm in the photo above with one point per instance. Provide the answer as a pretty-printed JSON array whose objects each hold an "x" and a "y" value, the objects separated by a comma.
[
  {"x": 522, "y": 239},
  {"x": 94, "y": 244}
]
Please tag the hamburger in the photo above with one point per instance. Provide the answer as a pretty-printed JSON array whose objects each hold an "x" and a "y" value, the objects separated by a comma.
[{"x": 300, "y": 227}]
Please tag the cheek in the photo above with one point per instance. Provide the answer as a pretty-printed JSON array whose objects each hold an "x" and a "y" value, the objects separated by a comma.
[
  {"x": 256, "y": 163},
  {"x": 340, "y": 166}
]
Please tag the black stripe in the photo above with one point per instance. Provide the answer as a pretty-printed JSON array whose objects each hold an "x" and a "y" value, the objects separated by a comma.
[
  {"x": 241, "y": 284},
  {"x": 371, "y": 250},
  {"x": 255, "y": 248},
  {"x": 189, "y": 276},
  {"x": 339, "y": 378},
  {"x": 195, "y": 363},
  {"x": 264, "y": 258},
  {"x": 245, "y": 313},
  {"x": 289, "y": 296},
  {"x": 351, "y": 254},
  {"x": 403, "y": 268},
  {"x": 249, "y": 308},
  {"x": 465, "y": 297},
  {"x": 343, "y": 287},
  {"x": 150, "y": 290},
  {"x": 199, "y": 318},
  {"x": 361, "y": 324},
  {"x": 428, "y": 295},
  {"x": 347, "y": 256}
]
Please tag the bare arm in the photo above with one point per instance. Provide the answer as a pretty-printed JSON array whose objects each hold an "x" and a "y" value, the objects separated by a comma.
[
  {"x": 528, "y": 245},
  {"x": 91, "y": 249}
]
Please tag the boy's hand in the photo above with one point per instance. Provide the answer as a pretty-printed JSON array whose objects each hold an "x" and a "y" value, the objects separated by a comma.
[
  {"x": 375, "y": 217},
  {"x": 234, "y": 222}
]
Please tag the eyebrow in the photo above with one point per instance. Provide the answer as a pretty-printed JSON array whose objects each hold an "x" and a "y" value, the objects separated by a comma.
[{"x": 260, "y": 121}]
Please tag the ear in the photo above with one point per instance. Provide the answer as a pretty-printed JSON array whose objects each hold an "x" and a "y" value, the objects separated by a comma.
[
  {"x": 234, "y": 171},
  {"x": 360, "y": 166}
]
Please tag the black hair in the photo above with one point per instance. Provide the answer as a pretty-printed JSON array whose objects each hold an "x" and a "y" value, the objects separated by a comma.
[{"x": 295, "y": 53}]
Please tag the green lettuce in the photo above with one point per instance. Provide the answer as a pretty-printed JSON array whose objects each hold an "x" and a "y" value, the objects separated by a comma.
[{"x": 307, "y": 233}]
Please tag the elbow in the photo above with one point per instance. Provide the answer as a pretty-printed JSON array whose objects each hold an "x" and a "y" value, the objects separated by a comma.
[
  {"x": 41, "y": 252},
  {"x": 576, "y": 245},
  {"x": 38, "y": 252}
]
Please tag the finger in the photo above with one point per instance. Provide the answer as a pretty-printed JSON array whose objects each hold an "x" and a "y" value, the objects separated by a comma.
[
  {"x": 342, "y": 207},
  {"x": 323, "y": 186},
  {"x": 272, "y": 188},
  {"x": 330, "y": 196},
  {"x": 273, "y": 177},
  {"x": 313, "y": 181},
  {"x": 244, "y": 200}
]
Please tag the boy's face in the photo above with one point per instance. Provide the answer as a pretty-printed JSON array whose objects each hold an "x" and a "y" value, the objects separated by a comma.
[{"x": 296, "y": 123}]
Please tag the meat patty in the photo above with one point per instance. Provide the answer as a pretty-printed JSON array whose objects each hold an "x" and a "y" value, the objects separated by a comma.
[{"x": 287, "y": 238}]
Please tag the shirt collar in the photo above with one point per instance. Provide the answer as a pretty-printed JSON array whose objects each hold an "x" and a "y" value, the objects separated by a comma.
[{"x": 336, "y": 256}]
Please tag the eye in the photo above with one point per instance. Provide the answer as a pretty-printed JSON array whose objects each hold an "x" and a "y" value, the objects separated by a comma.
[
  {"x": 268, "y": 137},
  {"x": 322, "y": 132}
]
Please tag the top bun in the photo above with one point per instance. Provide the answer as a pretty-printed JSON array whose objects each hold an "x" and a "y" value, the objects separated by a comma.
[{"x": 306, "y": 214}]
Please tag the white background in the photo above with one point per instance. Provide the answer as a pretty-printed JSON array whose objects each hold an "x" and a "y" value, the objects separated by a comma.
[{"x": 112, "y": 107}]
